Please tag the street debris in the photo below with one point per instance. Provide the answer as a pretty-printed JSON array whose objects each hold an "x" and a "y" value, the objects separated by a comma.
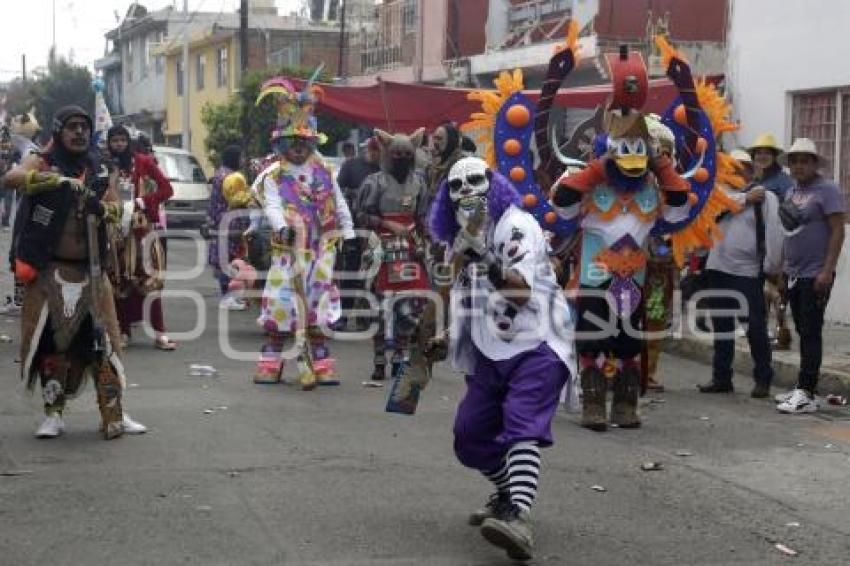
[
  {"x": 684, "y": 453},
  {"x": 233, "y": 474},
  {"x": 792, "y": 524},
  {"x": 704, "y": 418},
  {"x": 133, "y": 385},
  {"x": 657, "y": 400},
  {"x": 5, "y": 339},
  {"x": 373, "y": 384},
  {"x": 202, "y": 370},
  {"x": 208, "y": 411},
  {"x": 833, "y": 399},
  {"x": 14, "y": 473},
  {"x": 786, "y": 550},
  {"x": 203, "y": 508},
  {"x": 598, "y": 488},
  {"x": 651, "y": 466}
]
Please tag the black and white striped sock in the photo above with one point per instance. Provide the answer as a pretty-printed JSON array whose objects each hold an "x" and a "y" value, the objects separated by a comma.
[
  {"x": 523, "y": 470},
  {"x": 499, "y": 477}
]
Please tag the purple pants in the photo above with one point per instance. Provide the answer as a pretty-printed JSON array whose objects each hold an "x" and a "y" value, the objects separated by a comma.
[{"x": 507, "y": 402}]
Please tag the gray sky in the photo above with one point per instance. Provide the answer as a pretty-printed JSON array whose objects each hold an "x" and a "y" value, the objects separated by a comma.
[{"x": 80, "y": 26}]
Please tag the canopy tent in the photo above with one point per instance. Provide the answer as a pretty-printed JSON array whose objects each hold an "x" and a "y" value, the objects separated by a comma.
[{"x": 405, "y": 107}]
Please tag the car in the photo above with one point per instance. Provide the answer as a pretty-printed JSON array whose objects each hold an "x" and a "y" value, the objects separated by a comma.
[{"x": 188, "y": 207}]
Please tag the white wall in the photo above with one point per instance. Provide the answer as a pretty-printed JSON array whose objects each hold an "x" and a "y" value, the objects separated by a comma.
[
  {"x": 776, "y": 47},
  {"x": 779, "y": 46}
]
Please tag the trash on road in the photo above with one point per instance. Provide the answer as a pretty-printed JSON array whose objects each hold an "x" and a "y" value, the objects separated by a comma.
[
  {"x": 203, "y": 508},
  {"x": 14, "y": 473},
  {"x": 233, "y": 474},
  {"x": 833, "y": 399},
  {"x": 202, "y": 370},
  {"x": 704, "y": 418},
  {"x": 208, "y": 411},
  {"x": 651, "y": 466},
  {"x": 373, "y": 384},
  {"x": 133, "y": 385},
  {"x": 5, "y": 339},
  {"x": 792, "y": 524},
  {"x": 598, "y": 488},
  {"x": 786, "y": 550},
  {"x": 684, "y": 453}
]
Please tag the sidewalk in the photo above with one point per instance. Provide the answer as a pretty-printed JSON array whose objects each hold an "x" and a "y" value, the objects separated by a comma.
[{"x": 835, "y": 370}]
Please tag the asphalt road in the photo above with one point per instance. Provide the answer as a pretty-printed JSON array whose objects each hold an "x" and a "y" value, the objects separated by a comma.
[{"x": 274, "y": 475}]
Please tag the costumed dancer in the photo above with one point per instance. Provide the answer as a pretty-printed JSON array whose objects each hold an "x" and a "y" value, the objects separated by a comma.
[
  {"x": 619, "y": 199},
  {"x": 511, "y": 334},
  {"x": 394, "y": 206},
  {"x": 307, "y": 213},
  {"x": 69, "y": 329},
  {"x": 146, "y": 189}
]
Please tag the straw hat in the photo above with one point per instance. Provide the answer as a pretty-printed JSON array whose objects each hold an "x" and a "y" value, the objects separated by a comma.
[
  {"x": 741, "y": 156},
  {"x": 766, "y": 141},
  {"x": 804, "y": 145}
]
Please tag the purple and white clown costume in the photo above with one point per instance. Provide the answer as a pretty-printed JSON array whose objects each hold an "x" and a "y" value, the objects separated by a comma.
[{"x": 511, "y": 334}]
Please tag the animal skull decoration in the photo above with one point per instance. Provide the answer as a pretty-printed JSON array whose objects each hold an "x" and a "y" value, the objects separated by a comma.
[{"x": 469, "y": 183}]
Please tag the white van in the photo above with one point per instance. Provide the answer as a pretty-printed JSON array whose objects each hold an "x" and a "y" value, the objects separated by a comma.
[{"x": 188, "y": 207}]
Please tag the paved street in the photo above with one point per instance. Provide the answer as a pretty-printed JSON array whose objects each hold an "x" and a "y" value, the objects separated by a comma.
[{"x": 274, "y": 475}]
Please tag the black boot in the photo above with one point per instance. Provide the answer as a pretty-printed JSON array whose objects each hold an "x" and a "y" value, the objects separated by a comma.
[
  {"x": 594, "y": 388},
  {"x": 624, "y": 408},
  {"x": 715, "y": 387}
]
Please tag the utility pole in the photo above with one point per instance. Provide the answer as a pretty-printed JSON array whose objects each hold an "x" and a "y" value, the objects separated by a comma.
[
  {"x": 24, "y": 67},
  {"x": 341, "y": 66},
  {"x": 186, "y": 128},
  {"x": 243, "y": 59}
]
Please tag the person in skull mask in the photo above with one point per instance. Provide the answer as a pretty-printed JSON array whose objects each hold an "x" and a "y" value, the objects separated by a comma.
[
  {"x": 511, "y": 335},
  {"x": 394, "y": 206},
  {"x": 67, "y": 330},
  {"x": 145, "y": 189}
]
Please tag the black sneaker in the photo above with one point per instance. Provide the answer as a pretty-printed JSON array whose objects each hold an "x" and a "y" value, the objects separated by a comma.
[
  {"x": 495, "y": 506},
  {"x": 714, "y": 387},
  {"x": 510, "y": 531},
  {"x": 760, "y": 391}
]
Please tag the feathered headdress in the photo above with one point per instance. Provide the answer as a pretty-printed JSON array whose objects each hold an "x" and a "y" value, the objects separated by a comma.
[{"x": 295, "y": 117}]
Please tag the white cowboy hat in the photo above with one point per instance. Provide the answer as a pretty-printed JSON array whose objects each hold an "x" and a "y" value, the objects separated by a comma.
[{"x": 804, "y": 145}]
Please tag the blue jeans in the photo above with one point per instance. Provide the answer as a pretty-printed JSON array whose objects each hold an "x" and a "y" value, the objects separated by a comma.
[{"x": 752, "y": 288}]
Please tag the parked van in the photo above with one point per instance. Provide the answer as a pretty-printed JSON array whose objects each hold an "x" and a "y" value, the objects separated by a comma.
[{"x": 188, "y": 207}]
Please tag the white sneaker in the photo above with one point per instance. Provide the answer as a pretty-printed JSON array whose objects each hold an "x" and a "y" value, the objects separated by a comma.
[
  {"x": 52, "y": 426},
  {"x": 133, "y": 427},
  {"x": 231, "y": 303},
  {"x": 782, "y": 397},
  {"x": 799, "y": 402}
]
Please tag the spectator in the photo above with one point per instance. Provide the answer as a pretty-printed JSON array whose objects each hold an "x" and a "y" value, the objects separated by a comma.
[
  {"x": 766, "y": 167},
  {"x": 813, "y": 217},
  {"x": 737, "y": 264}
]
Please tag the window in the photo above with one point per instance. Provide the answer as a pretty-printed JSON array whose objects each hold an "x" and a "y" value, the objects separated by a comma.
[
  {"x": 144, "y": 60},
  {"x": 825, "y": 118},
  {"x": 408, "y": 16},
  {"x": 130, "y": 61},
  {"x": 200, "y": 69},
  {"x": 179, "y": 77},
  {"x": 180, "y": 167},
  {"x": 221, "y": 67},
  {"x": 159, "y": 60}
]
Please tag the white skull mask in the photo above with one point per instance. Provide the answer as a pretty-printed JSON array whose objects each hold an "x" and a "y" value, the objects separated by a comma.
[{"x": 468, "y": 186}]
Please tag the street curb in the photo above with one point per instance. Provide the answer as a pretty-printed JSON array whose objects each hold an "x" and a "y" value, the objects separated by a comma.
[{"x": 784, "y": 373}]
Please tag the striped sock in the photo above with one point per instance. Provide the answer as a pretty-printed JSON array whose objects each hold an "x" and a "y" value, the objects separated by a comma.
[
  {"x": 499, "y": 477},
  {"x": 523, "y": 471}
]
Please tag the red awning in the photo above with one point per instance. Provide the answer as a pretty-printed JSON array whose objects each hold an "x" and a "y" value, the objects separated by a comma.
[{"x": 405, "y": 107}]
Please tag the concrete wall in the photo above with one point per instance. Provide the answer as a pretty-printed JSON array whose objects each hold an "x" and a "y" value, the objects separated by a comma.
[{"x": 776, "y": 47}]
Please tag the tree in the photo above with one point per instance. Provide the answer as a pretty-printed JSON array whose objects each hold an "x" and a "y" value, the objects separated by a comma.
[
  {"x": 222, "y": 124},
  {"x": 64, "y": 83}
]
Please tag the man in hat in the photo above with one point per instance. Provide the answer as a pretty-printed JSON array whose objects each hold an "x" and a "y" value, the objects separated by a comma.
[
  {"x": 813, "y": 218},
  {"x": 69, "y": 328},
  {"x": 307, "y": 213},
  {"x": 766, "y": 171},
  {"x": 735, "y": 272}
]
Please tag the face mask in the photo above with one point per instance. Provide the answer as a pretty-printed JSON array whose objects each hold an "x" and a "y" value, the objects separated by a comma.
[{"x": 400, "y": 168}]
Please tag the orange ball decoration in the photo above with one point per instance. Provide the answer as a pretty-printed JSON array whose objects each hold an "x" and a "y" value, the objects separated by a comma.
[
  {"x": 692, "y": 199},
  {"x": 550, "y": 217},
  {"x": 512, "y": 147},
  {"x": 518, "y": 115},
  {"x": 701, "y": 175},
  {"x": 517, "y": 174},
  {"x": 702, "y": 145},
  {"x": 529, "y": 200},
  {"x": 681, "y": 115}
]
